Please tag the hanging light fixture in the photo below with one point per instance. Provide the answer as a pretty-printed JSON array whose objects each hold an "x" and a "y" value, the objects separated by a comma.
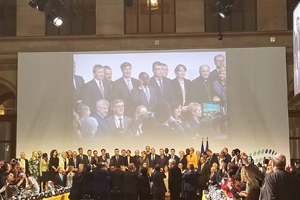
[{"x": 153, "y": 4}]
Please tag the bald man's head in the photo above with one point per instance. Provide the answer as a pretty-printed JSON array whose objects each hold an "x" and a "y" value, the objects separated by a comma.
[{"x": 279, "y": 161}]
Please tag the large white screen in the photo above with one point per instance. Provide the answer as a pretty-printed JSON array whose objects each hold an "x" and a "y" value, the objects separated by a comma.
[{"x": 256, "y": 95}]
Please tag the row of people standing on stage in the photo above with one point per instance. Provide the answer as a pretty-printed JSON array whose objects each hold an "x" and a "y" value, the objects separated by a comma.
[{"x": 208, "y": 87}]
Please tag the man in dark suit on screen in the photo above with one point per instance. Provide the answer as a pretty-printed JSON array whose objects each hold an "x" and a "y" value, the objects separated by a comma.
[
  {"x": 118, "y": 123},
  {"x": 123, "y": 87},
  {"x": 162, "y": 85},
  {"x": 95, "y": 89},
  {"x": 144, "y": 94}
]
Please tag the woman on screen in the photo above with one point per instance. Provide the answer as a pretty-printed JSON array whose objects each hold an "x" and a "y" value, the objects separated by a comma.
[
  {"x": 220, "y": 85},
  {"x": 88, "y": 124},
  {"x": 136, "y": 127},
  {"x": 34, "y": 164},
  {"x": 175, "y": 119},
  {"x": 181, "y": 86}
]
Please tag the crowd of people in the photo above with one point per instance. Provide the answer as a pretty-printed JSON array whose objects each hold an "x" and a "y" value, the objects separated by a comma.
[
  {"x": 130, "y": 107},
  {"x": 147, "y": 175}
]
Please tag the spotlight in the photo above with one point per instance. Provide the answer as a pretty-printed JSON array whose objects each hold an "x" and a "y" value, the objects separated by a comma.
[
  {"x": 33, "y": 4},
  {"x": 225, "y": 12},
  {"x": 54, "y": 19}
]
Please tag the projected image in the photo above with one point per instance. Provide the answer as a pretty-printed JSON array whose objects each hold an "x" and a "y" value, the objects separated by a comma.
[
  {"x": 145, "y": 96},
  {"x": 296, "y": 31}
]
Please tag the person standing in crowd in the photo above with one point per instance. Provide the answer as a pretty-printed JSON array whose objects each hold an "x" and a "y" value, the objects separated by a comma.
[
  {"x": 75, "y": 191},
  {"x": 70, "y": 176},
  {"x": 202, "y": 91},
  {"x": 143, "y": 185},
  {"x": 95, "y": 158},
  {"x": 158, "y": 188},
  {"x": 147, "y": 149},
  {"x": 144, "y": 94},
  {"x": 34, "y": 165},
  {"x": 116, "y": 159},
  {"x": 89, "y": 156},
  {"x": 101, "y": 182},
  {"x": 192, "y": 158},
  {"x": 123, "y": 88},
  {"x": 128, "y": 158},
  {"x": 87, "y": 181},
  {"x": 118, "y": 123},
  {"x": 102, "y": 132},
  {"x": 88, "y": 124},
  {"x": 116, "y": 183},
  {"x": 161, "y": 84},
  {"x": 227, "y": 157},
  {"x": 143, "y": 159},
  {"x": 73, "y": 161},
  {"x": 24, "y": 163},
  {"x": 103, "y": 156},
  {"x": 182, "y": 159},
  {"x": 130, "y": 183},
  {"x": 136, "y": 160},
  {"x": 95, "y": 89},
  {"x": 44, "y": 171},
  {"x": 162, "y": 159},
  {"x": 191, "y": 184},
  {"x": 166, "y": 180},
  {"x": 64, "y": 162},
  {"x": 219, "y": 62},
  {"x": 219, "y": 85},
  {"x": 181, "y": 86},
  {"x": 82, "y": 158},
  {"x": 211, "y": 158},
  {"x": 53, "y": 165},
  {"x": 70, "y": 155},
  {"x": 173, "y": 156},
  {"x": 175, "y": 179},
  {"x": 153, "y": 158},
  {"x": 203, "y": 169}
]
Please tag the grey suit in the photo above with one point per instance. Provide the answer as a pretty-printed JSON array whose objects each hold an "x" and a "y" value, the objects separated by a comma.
[
  {"x": 112, "y": 125},
  {"x": 139, "y": 97}
]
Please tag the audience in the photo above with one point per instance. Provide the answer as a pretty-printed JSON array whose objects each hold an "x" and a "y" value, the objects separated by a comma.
[{"x": 169, "y": 176}]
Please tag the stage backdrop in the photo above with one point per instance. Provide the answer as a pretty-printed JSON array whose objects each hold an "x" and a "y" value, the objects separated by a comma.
[{"x": 257, "y": 117}]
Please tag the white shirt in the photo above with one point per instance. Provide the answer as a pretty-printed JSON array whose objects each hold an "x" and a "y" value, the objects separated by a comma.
[{"x": 117, "y": 121}]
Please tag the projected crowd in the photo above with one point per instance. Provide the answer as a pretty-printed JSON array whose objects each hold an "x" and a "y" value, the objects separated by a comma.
[
  {"x": 149, "y": 175},
  {"x": 130, "y": 107}
]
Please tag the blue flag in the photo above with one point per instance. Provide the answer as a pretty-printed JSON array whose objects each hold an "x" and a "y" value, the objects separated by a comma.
[
  {"x": 206, "y": 145},
  {"x": 202, "y": 147}
]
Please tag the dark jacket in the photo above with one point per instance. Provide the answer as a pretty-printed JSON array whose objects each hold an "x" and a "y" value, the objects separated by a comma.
[
  {"x": 130, "y": 182},
  {"x": 191, "y": 183},
  {"x": 175, "y": 178},
  {"x": 158, "y": 182}
]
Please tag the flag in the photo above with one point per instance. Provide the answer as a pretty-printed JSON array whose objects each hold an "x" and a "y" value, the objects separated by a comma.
[
  {"x": 202, "y": 147},
  {"x": 206, "y": 144}
]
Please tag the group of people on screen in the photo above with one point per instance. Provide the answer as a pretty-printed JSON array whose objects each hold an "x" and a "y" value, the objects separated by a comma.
[
  {"x": 133, "y": 107},
  {"x": 188, "y": 175}
]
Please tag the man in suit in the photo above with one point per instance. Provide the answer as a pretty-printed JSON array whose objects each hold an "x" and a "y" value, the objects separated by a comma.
[
  {"x": 89, "y": 157},
  {"x": 108, "y": 76},
  {"x": 162, "y": 159},
  {"x": 116, "y": 160},
  {"x": 128, "y": 158},
  {"x": 118, "y": 123},
  {"x": 182, "y": 160},
  {"x": 173, "y": 156},
  {"x": 162, "y": 85},
  {"x": 165, "y": 70},
  {"x": 95, "y": 158},
  {"x": 144, "y": 94},
  {"x": 73, "y": 161},
  {"x": 24, "y": 163},
  {"x": 153, "y": 158},
  {"x": 101, "y": 182},
  {"x": 60, "y": 179},
  {"x": 136, "y": 160},
  {"x": 191, "y": 183},
  {"x": 212, "y": 158},
  {"x": 227, "y": 157},
  {"x": 103, "y": 157},
  {"x": 175, "y": 179},
  {"x": 102, "y": 107},
  {"x": 202, "y": 91},
  {"x": 158, "y": 188},
  {"x": 123, "y": 87},
  {"x": 116, "y": 183},
  {"x": 95, "y": 89},
  {"x": 219, "y": 62},
  {"x": 82, "y": 158},
  {"x": 78, "y": 82},
  {"x": 147, "y": 149},
  {"x": 203, "y": 169}
]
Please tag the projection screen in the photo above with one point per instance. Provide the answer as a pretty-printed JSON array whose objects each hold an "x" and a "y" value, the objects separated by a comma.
[{"x": 253, "y": 116}]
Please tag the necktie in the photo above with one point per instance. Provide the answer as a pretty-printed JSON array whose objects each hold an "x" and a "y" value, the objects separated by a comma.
[
  {"x": 101, "y": 88},
  {"x": 129, "y": 85},
  {"x": 75, "y": 162},
  {"x": 121, "y": 124},
  {"x": 74, "y": 83},
  {"x": 152, "y": 157},
  {"x": 117, "y": 158},
  {"x": 61, "y": 177},
  {"x": 89, "y": 160},
  {"x": 147, "y": 94}
]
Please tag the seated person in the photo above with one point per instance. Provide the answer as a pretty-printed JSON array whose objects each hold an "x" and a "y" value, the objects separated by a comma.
[{"x": 60, "y": 178}]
